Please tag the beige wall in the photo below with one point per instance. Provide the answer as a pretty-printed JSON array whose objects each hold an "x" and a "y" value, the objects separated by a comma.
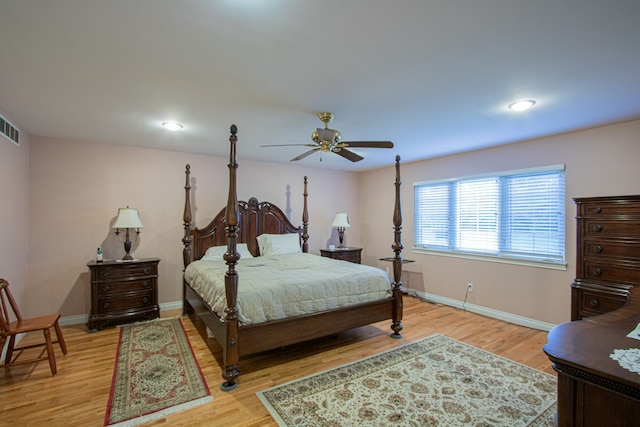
[
  {"x": 14, "y": 215},
  {"x": 599, "y": 162},
  {"x": 64, "y": 197},
  {"x": 76, "y": 189}
]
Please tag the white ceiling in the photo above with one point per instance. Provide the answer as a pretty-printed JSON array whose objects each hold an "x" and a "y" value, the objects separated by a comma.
[{"x": 433, "y": 76}]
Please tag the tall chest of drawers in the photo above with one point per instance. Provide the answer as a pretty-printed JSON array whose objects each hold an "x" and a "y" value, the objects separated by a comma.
[
  {"x": 123, "y": 292},
  {"x": 608, "y": 254}
]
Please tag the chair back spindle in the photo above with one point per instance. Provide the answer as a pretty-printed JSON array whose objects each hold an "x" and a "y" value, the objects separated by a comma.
[{"x": 7, "y": 302}]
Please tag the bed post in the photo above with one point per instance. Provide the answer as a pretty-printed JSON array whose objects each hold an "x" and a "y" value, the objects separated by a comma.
[
  {"x": 230, "y": 354},
  {"x": 397, "y": 247},
  {"x": 187, "y": 238},
  {"x": 305, "y": 220}
]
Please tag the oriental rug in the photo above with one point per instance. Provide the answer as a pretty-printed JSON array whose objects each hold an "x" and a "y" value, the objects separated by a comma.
[
  {"x": 156, "y": 374},
  {"x": 436, "y": 381}
]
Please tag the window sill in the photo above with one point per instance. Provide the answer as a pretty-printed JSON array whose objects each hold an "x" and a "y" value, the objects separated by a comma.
[{"x": 488, "y": 258}]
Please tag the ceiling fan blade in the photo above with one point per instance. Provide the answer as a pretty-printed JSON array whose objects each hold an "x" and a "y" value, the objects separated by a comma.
[
  {"x": 349, "y": 155},
  {"x": 290, "y": 145},
  {"x": 303, "y": 155},
  {"x": 368, "y": 144}
]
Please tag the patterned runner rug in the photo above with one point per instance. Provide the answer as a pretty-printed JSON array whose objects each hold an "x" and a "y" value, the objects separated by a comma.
[
  {"x": 156, "y": 374},
  {"x": 437, "y": 381}
]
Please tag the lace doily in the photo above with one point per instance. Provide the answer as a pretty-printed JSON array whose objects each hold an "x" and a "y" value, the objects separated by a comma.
[{"x": 629, "y": 359}]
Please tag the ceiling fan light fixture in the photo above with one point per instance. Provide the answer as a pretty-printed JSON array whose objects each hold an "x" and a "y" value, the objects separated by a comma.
[
  {"x": 522, "y": 105},
  {"x": 172, "y": 125},
  {"x": 330, "y": 141},
  {"x": 337, "y": 137}
]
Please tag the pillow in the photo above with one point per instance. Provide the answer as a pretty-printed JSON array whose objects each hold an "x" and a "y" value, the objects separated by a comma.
[
  {"x": 216, "y": 253},
  {"x": 279, "y": 244}
]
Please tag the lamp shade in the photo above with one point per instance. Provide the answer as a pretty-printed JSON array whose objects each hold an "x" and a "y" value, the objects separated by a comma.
[
  {"x": 341, "y": 220},
  {"x": 128, "y": 218}
]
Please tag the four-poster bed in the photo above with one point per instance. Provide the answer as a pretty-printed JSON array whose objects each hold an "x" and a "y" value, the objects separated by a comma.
[{"x": 244, "y": 227}]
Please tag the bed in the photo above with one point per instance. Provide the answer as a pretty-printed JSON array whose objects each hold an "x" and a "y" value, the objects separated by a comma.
[{"x": 218, "y": 248}]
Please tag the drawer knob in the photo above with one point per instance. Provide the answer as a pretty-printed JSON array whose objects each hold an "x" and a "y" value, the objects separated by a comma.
[
  {"x": 593, "y": 303},
  {"x": 597, "y": 249},
  {"x": 106, "y": 273},
  {"x": 105, "y": 305},
  {"x": 145, "y": 284},
  {"x": 145, "y": 300},
  {"x": 597, "y": 227},
  {"x": 597, "y": 271},
  {"x": 147, "y": 270},
  {"x": 105, "y": 288},
  {"x": 597, "y": 210}
]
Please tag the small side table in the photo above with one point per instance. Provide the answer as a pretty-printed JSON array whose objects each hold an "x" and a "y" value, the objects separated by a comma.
[
  {"x": 345, "y": 254},
  {"x": 123, "y": 291}
]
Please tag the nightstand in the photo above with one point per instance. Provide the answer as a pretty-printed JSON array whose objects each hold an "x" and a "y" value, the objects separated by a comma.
[
  {"x": 345, "y": 254},
  {"x": 123, "y": 291}
]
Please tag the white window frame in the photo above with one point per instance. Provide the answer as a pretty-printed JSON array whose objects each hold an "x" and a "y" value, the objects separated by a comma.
[{"x": 445, "y": 232}]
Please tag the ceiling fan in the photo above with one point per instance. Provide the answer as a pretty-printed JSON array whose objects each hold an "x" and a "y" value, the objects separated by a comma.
[{"x": 329, "y": 141}]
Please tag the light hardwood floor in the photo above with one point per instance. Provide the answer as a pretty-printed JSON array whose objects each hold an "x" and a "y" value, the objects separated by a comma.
[{"x": 78, "y": 394}]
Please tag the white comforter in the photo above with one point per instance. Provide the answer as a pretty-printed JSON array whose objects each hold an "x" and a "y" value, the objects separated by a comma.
[{"x": 275, "y": 287}]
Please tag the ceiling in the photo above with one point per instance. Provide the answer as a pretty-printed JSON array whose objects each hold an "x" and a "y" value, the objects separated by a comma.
[{"x": 433, "y": 76}]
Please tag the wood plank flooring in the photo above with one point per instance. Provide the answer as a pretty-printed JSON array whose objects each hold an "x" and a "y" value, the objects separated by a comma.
[{"x": 78, "y": 394}]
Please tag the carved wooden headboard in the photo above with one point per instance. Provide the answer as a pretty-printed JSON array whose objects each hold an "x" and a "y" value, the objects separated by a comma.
[{"x": 254, "y": 218}]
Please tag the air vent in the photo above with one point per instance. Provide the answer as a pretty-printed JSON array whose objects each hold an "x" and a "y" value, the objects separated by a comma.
[{"x": 9, "y": 131}]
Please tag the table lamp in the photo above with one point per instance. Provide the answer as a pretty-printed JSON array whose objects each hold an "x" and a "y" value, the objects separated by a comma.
[
  {"x": 341, "y": 222},
  {"x": 127, "y": 218}
]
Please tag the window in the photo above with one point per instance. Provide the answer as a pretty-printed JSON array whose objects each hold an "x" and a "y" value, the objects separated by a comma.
[{"x": 513, "y": 215}]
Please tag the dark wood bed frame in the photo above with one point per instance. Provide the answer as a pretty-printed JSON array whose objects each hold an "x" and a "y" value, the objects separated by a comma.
[{"x": 242, "y": 222}]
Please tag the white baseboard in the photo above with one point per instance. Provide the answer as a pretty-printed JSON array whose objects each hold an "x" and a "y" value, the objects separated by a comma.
[
  {"x": 489, "y": 312},
  {"x": 176, "y": 305},
  {"x": 74, "y": 320},
  {"x": 84, "y": 318}
]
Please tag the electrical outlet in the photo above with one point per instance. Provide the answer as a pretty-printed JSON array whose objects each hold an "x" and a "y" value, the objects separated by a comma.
[{"x": 469, "y": 287}]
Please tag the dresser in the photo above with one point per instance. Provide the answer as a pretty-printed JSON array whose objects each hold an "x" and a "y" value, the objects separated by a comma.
[
  {"x": 594, "y": 389},
  {"x": 608, "y": 254},
  {"x": 345, "y": 254},
  {"x": 123, "y": 292}
]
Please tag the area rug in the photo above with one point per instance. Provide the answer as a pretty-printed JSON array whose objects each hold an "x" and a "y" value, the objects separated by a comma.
[
  {"x": 437, "y": 381},
  {"x": 156, "y": 374}
]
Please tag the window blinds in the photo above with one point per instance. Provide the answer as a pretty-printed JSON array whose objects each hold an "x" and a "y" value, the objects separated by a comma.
[{"x": 518, "y": 214}]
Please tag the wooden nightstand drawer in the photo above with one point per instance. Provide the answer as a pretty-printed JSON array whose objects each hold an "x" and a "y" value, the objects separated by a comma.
[
  {"x": 107, "y": 289},
  {"x": 344, "y": 254},
  {"x": 123, "y": 292},
  {"x": 133, "y": 301},
  {"x": 125, "y": 271}
]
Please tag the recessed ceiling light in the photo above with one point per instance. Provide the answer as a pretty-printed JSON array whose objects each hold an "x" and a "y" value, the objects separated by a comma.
[
  {"x": 522, "y": 105},
  {"x": 172, "y": 125}
]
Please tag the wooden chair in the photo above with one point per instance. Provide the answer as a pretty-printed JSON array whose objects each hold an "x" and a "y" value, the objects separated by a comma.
[{"x": 9, "y": 329}]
